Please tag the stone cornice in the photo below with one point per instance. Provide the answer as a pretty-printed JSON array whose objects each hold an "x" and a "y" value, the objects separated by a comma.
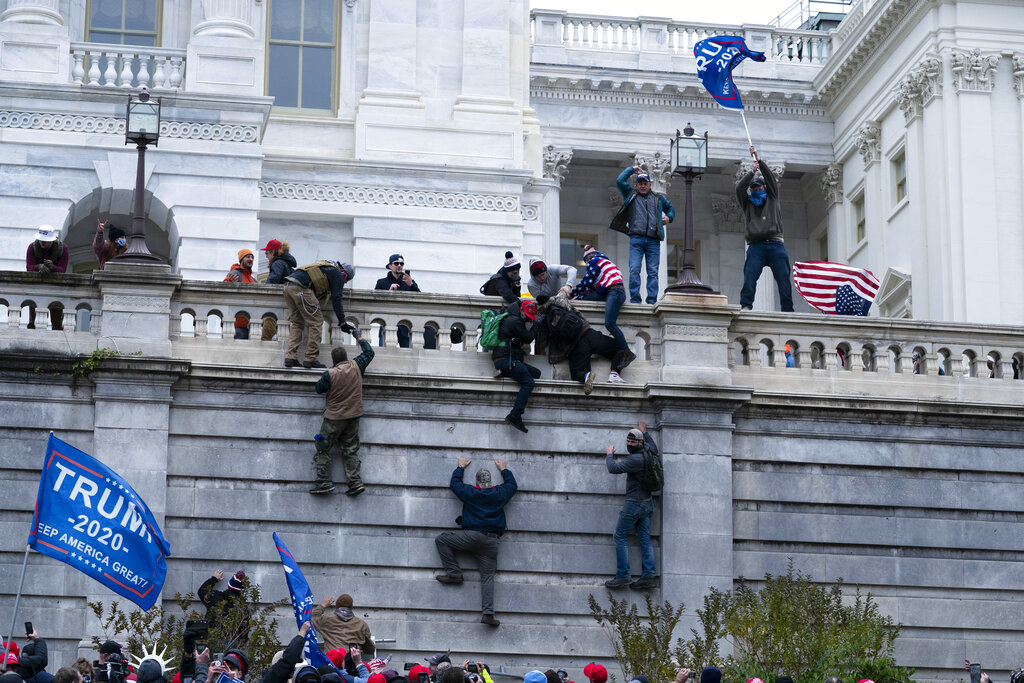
[
  {"x": 355, "y": 194},
  {"x": 861, "y": 44},
  {"x": 112, "y": 125},
  {"x": 646, "y": 96}
]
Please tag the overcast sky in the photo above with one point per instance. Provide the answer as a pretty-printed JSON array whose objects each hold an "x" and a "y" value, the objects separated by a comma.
[{"x": 709, "y": 11}]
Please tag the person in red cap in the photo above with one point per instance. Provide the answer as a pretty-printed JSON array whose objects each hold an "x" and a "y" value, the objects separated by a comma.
[
  {"x": 596, "y": 673},
  {"x": 516, "y": 330},
  {"x": 279, "y": 260},
  {"x": 419, "y": 674},
  {"x": 219, "y": 603}
]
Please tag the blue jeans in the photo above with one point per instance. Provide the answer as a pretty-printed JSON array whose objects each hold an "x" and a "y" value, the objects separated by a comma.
[
  {"x": 524, "y": 374},
  {"x": 613, "y": 300},
  {"x": 635, "y": 514},
  {"x": 639, "y": 249},
  {"x": 773, "y": 254}
]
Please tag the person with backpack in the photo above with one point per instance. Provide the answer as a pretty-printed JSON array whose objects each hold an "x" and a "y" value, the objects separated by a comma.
[
  {"x": 516, "y": 328},
  {"x": 644, "y": 476},
  {"x": 506, "y": 283},
  {"x": 571, "y": 337}
]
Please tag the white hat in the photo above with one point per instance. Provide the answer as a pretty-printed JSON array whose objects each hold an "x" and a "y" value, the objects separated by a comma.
[{"x": 47, "y": 233}]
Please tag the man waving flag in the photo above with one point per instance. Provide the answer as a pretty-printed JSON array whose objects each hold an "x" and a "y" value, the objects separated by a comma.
[
  {"x": 302, "y": 603},
  {"x": 835, "y": 288}
]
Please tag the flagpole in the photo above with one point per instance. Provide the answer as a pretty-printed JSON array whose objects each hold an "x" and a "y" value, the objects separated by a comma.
[
  {"x": 17, "y": 599},
  {"x": 744, "y": 117}
]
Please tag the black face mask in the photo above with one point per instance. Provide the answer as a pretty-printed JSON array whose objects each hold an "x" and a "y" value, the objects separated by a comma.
[{"x": 634, "y": 447}]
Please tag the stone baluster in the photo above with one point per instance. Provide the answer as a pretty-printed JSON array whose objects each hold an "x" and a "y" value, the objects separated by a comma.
[
  {"x": 94, "y": 70},
  {"x": 143, "y": 77},
  {"x": 70, "y": 320},
  {"x": 416, "y": 337},
  {"x": 931, "y": 361},
  {"x": 227, "y": 327},
  {"x": 882, "y": 361},
  {"x": 160, "y": 75},
  {"x": 444, "y": 338},
  {"x": 43, "y": 318},
  {"x": 110, "y": 75},
  {"x": 175, "y": 72},
  {"x": 803, "y": 357},
  {"x": 778, "y": 356},
  {"x": 391, "y": 335},
  {"x": 13, "y": 317},
  {"x": 200, "y": 326},
  {"x": 78, "y": 70},
  {"x": 126, "y": 69},
  {"x": 956, "y": 364},
  {"x": 255, "y": 328},
  {"x": 1006, "y": 368},
  {"x": 831, "y": 359},
  {"x": 979, "y": 366}
]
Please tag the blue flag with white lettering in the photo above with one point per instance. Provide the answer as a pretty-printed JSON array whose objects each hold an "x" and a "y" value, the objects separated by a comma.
[
  {"x": 716, "y": 57},
  {"x": 302, "y": 603},
  {"x": 87, "y": 516}
]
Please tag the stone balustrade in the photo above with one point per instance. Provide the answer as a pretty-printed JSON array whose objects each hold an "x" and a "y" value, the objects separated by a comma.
[
  {"x": 127, "y": 66},
  {"x": 619, "y": 34}
]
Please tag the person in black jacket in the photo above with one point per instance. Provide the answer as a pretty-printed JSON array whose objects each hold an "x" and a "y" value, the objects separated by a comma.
[
  {"x": 283, "y": 668},
  {"x": 506, "y": 283},
  {"x": 33, "y": 660},
  {"x": 636, "y": 510},
  {"x": 219, "y": 603},
  {"x": 483, "y": 523},
  {"x": 306, "y": 291},
  {"x": 282, "y": 263},
  {"x": 517, "y": 328},
  {"x": 397, "y": 281}
]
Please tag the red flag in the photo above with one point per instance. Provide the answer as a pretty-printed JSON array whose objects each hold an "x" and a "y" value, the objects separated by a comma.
[{"x": 817, "y": 282}]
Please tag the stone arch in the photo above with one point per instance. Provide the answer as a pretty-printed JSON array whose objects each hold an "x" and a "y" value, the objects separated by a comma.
[{"x": 117, "y": 205}]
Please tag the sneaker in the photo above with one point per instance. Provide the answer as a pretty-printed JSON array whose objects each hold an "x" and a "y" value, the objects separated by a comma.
[
  {"x": 624, "y": 359},
  {"x": 322, "y": 487},
  {"x": 290, "y": 363},
  {"x": 355, "y": 490},
  {"x": 745, "y": 308},
  {"x": 313, "y": 364},
  {"x": 517, "y": 422},
  {"x": 588, "y": 383},
  {"x": 614, "y": 377},
  {"x": 498, "y": 373},
  {"x": 489, "y": 620},
  {"x": 617, "y": 582},
  {"x": 449, "y": 579},
  {"x": 644, "y": 583}
]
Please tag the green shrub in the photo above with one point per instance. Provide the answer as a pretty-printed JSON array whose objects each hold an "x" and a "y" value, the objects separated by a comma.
[{"x": 641, "y": 643}]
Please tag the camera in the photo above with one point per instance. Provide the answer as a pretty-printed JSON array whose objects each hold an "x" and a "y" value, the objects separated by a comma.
[
  {"x": 563, "y": 674},
  {"x": 113, "y": 671}
]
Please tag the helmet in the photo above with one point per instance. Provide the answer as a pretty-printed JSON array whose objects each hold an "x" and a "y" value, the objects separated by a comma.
[{"x": 349, "y": 270}]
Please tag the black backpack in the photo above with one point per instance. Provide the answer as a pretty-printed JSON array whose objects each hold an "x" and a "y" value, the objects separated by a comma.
[
  {"x": 652, "y": 476},
  {"x": 490, "y": 288},
  {"x": 564, "y": 323}
]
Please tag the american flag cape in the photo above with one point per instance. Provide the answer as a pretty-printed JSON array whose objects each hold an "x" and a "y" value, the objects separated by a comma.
[{"x": 823, "y": 284}]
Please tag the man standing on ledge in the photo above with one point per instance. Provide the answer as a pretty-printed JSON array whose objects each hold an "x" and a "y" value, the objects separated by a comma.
[
  {"x": 343, "y": 385},
  {"x": 483, "y": 523},
  {"x": 643, "y": 217},
  {"x": 758, "y": 195},
  {"x": 306, "y": 290}
]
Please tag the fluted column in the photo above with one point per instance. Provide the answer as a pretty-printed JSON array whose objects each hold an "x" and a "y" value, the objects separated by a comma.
[
  {"x": 232, "y": 18},
  {"x": 556, "y": 168},
  {"x": 34, "y": 43},
  {"x": 33, "y": 12},
  {"x": 226, "y": 50}
]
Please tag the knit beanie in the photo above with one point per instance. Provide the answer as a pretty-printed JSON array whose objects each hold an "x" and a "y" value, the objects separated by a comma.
[
  {"x": 235, "y": 583},
  {"x": 710, "y": 674},
  {"x": 242, "y": 253},
  {"x": 596, "y": 673},
  {"x": 337, "y": 657},
  {"x": 377, "y": 678},
  {"x": 511, "y": 262},
  {"x": 344, "y": 600},
  {"x": 12, "y": 647},
  {"x": 537, "y": 266},
  {"x": 114, "y": 232},
  {"x": 588, "y": 250}
]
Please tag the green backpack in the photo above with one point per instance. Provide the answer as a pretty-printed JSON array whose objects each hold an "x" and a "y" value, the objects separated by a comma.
[{"x": 490, "y": 323}]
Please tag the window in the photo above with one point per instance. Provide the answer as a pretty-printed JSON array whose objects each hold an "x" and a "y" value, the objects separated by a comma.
[
  {"x": 123, "y": 22},
  {"x": 860, "y": 222},
  {"x": 675, "y": 259},
  {"x": 570, "y": 249},
  {"x": 823, "y": 246},
  {"x": 301, "y": 53},
  {"x": 899, "y": 170}
]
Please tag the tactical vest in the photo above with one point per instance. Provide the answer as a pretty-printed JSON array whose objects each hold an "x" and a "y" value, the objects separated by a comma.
[{"x": 317, "y": 279}]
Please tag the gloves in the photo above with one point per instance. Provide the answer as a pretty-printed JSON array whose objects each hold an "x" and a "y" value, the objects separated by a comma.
[
  {"x": 346, "y": 326},
  {"x": 189, "y": 638},
  {"x": 356, "y": 332},
  {"x": 46, "y": 267}
]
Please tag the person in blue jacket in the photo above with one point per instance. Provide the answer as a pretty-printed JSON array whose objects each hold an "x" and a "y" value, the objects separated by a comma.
[
  {"x": 483, "y": 523},
  {"x": 643, "y": 217}
]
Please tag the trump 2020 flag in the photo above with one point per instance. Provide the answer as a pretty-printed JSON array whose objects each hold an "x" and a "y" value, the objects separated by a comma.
[
  {"x": 302, "y": 603},
  {"x": 835, "y": 288},
  {"x": 716, "y": 57},
  {"x": 87, "y": 516}
]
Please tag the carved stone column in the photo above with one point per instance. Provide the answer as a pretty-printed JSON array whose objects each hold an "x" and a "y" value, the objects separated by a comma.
[
  {"x": 556, "y": 168},
  {"x": 34, "y": 43},
  {"x": 868, "y": 142},
  {"x": 230, "y": 18},
  {"x": 224, "y": 54},
  {"x": 45, "y": 12},
  {"x": 658, "y": 166}
]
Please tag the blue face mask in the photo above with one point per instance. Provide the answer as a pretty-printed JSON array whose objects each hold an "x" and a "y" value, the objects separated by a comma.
[
  {"x": 757, "y": 197},
  {"x": 121, "y": 241}
]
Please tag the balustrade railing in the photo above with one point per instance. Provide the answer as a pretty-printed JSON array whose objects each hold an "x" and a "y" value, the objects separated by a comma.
[
  {"x": 127, "y": 66},
  {"x": 620, "y": 34}
]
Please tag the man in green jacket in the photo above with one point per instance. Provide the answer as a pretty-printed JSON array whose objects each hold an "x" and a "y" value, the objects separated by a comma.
[{"x": 343, "y": 385}]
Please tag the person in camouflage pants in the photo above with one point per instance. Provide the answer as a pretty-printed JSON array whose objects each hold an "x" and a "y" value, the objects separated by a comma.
[{"x": 343, "y": 386}]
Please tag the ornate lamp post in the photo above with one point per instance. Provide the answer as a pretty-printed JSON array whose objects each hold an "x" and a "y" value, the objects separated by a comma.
[
  {"x": 689, "y": 155},
  {"x": 142, "y": 127}
]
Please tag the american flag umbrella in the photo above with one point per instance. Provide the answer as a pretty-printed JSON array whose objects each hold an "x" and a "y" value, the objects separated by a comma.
[{"x": 835, "y": 288}]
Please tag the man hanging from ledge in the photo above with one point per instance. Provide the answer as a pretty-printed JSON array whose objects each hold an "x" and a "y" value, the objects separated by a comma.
[
  {"x": 305, "y": 291},
  {"x": 758, "y": 194}
]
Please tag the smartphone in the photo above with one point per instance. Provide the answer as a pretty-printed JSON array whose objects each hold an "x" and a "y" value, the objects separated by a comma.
[
  {"x": 352, "y": 645},
  {"x": 975, "y": 673},
  {"x": 28, "y": 628},
  {"x": 473, "y": 668},
  {"x": 409, "y": 273},
  {"x": 424, "y": 676},
  {"x": 410, "y": 665}
]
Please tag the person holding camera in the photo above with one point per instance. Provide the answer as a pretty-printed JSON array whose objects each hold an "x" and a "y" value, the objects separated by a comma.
[
  {"x": 286, "y": 660},
  {"x": 343, "y": 386},
  {"x": 483, "y": 523},
  {"x": 341, "y": 628}
]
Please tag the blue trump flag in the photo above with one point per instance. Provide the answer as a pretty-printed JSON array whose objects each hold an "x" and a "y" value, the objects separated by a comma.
[
  {"x": 87, "y": 516},
  {"x": 302, "y": 603},
  {"x": 716, "y": 58}
]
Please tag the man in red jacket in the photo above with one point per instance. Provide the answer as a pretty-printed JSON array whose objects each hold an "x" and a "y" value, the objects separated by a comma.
[{"x": 47, "y": 254}]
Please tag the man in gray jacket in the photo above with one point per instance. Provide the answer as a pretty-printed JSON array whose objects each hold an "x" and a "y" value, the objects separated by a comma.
[
  {"x": 547, "y": 280},
  {"x": 636, "y": 511},
  {"x": 758, "y": 194}
]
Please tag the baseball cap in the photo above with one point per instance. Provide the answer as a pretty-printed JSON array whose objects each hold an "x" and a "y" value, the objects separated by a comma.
[
  {"x": 272, "y": 245},
  {"x": 643, "y": 175},
  {"x": 596, "y": 673},
  {"x": 438, "y": 658}
]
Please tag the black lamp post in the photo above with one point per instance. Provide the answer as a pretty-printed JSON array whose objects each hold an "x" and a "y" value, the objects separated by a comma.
[
  {"x": 689, "y": 155},
  {"x": 142, "y": 126}
]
